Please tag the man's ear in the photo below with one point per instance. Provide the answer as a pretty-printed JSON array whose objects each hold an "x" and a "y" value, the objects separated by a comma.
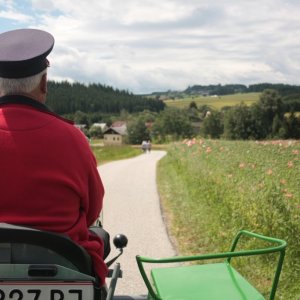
[{"x": 43, "y": 84}]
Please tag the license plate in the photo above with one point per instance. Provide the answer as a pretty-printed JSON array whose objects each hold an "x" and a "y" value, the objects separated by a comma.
[{"x": 46, "y": 290}]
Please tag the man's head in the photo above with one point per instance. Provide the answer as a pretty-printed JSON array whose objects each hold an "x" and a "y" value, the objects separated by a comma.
[{"x": 23, "y": 62}]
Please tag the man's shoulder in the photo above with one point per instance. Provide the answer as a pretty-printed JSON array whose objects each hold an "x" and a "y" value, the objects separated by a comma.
[{"x": 60, "y": 118}]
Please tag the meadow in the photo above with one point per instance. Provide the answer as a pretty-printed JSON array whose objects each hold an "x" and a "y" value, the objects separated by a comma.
[
  {"x": 210, "y": 189},
  {"x": 216, "y": 102}
]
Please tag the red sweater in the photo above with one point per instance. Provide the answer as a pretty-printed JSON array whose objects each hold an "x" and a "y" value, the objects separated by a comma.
[{"x": 49, "y": 178}]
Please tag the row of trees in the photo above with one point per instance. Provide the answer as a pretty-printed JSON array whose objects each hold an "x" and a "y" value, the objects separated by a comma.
[
  {"x": 266, "y": 119},
  {"x": 229, "y": 89},
  {"x": 171, "y": 123},
  {"x": 269, "y": 118}
]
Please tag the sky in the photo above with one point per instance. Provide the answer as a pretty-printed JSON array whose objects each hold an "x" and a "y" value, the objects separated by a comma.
[{"x": 146, "y": 46}]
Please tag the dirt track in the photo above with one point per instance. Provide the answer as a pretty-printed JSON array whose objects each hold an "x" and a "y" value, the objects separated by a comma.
[{"x": 131, "y": 206}]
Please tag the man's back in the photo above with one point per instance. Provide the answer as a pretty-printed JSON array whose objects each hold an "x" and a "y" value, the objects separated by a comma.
[
  {"x": 43, "y": 157},
  {"x": 48, "y": 177}
]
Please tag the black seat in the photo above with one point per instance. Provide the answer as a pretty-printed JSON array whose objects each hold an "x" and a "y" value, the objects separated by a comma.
[{"x": 23, "y": 245}]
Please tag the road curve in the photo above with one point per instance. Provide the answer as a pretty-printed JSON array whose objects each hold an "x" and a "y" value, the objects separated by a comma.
[{"x": 132, "y": 207}]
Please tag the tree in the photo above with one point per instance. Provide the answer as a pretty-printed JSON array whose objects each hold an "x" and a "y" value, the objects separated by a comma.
[
  {"x": 174, "y": 122},
  {"x": 276, "y": 127},
  {"x": 193, "y": 105},
  {"x": 137, "y": 131},
  {"x": 96, "y": 132},
  {"x": 238, "y": 123},
  {"x": 212, "y": 125},
  {"x": 81, "y": 118},
  {"x": 292, "y": 126},
  {"x": 263, "y": 113}
]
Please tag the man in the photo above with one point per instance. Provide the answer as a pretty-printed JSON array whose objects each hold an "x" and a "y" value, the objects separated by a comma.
[{"x": 48, "y": 178}]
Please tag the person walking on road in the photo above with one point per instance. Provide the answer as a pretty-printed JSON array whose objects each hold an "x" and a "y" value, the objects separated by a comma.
[
  {"x": 148, "y": 147},
  {"x": 144, "y": 146}
]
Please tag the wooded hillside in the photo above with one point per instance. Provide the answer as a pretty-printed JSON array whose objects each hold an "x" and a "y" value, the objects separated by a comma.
[
  {"x": 228, "y": 89},
  {"x": 66, "y": 98}
]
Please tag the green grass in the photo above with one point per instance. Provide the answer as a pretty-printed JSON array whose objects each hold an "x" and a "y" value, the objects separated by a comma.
[
  {"x": 106, "y": 154},
  {"x": 211, "y": 189},
  {"x": 215, "y": 102}
]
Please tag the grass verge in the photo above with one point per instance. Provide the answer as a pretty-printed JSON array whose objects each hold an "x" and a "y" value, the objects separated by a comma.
[
  {"x": 106, "y": 154},
  {"x": 212, "y": 189}
]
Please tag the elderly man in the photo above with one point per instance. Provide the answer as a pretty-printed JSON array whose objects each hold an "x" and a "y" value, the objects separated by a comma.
[{"x": 49, "y": 178}]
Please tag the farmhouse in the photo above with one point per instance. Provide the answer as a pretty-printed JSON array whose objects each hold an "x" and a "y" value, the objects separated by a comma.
[
  {"x": 115, "y": 134},
  {"x": 103, "y": 126}
]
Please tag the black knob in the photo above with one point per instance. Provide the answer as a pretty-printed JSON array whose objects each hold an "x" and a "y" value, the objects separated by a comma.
[{"x": 120, "y": 241}]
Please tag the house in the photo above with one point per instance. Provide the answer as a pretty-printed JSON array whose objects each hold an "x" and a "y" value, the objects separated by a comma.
[
  {"x": 115, "y": 134},
  {"x": 103, "y": 126}
]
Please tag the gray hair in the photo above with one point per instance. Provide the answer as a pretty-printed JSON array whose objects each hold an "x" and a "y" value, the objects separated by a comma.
[{"x": 9, "y": 86}]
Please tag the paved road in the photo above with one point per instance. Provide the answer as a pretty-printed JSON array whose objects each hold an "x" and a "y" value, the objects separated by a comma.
[{"x": 131, "y": 206}]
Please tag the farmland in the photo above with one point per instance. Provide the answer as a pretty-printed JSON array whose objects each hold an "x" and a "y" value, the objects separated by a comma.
[
  {"x": 211, "y": 189},
  {"x": 216, "y": 102}
]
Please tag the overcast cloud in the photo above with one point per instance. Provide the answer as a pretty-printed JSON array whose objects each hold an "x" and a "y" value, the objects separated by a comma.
[{"x": 153, "y": 45}]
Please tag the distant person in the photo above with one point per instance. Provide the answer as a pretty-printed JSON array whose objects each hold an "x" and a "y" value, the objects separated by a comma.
[
  {"x": 149, "y": 146},
  {"x": 49, "y": 178},
  {"x": 144, "y": 146}
]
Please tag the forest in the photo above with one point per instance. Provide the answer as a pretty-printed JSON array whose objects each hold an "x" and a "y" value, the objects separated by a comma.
[{"x": 68, "y": 98}]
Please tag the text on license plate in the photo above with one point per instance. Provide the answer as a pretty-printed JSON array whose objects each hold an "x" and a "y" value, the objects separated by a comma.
[{"x": 46, "y": 291}]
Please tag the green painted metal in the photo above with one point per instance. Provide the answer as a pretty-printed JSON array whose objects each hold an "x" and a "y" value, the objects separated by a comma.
[
  {"x": 208, "y": 281},
  {"x": 167, "y": 279}
]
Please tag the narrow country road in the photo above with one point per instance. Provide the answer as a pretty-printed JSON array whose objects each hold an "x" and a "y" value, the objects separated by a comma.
[{"x": 132, "y": 207}]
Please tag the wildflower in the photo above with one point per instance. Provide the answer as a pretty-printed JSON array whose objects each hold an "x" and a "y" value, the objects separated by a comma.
[
  {"x": 208, "y": 150},
  {"x": 296, "y": 152},
  {"x": 241, "y": 165},
  {"x": 289, "y": 195},
  {"x": 253, "y": 166},
  {"x": 270, "y": 172},
  {"x": 189, "y": 143},
  {"x": 283, "y": 181},
  {"x": 290, "y": 164},
  {"x": 229, "y": 175}
]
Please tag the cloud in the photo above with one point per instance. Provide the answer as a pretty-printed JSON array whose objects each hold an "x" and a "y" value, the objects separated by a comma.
[
  {"x": 150, "y": 45},
  {"x": 9, "y": 12}
]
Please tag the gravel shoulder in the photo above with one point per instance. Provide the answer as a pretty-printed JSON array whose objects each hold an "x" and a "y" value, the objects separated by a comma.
[{"x": 132, "y": 207}]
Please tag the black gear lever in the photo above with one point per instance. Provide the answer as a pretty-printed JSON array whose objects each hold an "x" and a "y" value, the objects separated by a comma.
[{"x": 120, "y": 241}]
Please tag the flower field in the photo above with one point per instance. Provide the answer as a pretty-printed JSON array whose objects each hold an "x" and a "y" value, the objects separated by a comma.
[{"x": 210, "y": 189}]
